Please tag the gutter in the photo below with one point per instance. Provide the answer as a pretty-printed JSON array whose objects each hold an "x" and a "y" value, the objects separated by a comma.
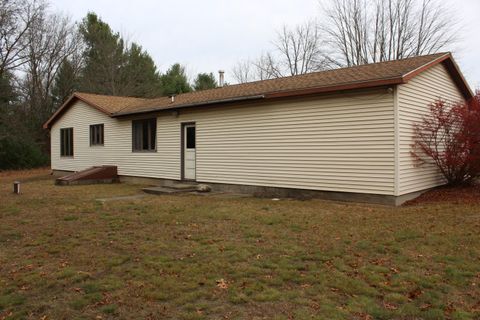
[
  {"x": 187, "y": 105},
  {"x": 328, "y": 89},
  {"x": 277, "y": 94}
]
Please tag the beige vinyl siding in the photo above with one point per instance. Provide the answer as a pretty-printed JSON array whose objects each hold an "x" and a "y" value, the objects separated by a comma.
[
  {"x": 117, "y": 148},
  {"x": 342, "y": 142},
  {"x": 413, "y": 102}
]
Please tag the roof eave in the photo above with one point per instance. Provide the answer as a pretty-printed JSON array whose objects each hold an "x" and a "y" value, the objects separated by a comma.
[
  {"x": 453, "y": 69},
  {"x": 415, "y": 72},
  {"x": 272, "y": 95},
  {"x": 459, "y": 78},
  {"x": 188, "y": 105},
  {"x": 66, "y": 104},
  {"x": 329, "y": 89}
]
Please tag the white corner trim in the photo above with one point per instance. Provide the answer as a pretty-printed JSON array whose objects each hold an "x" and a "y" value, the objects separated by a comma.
[{"x": 396, "y": 119}]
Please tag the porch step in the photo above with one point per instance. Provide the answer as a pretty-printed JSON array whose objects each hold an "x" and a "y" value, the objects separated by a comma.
[
  {"x": 184, "y": 186},
  {"x": 167, "y": 190},
  {"x": 181, "y": 187}
]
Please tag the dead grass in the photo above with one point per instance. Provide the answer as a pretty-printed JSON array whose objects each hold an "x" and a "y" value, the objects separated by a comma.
[{"x": 64, "y": 255}]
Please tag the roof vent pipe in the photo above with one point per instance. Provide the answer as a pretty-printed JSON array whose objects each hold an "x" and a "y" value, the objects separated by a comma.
[
  {"x": 221, "y": 78},
  {"x": 172, "y": 98}
]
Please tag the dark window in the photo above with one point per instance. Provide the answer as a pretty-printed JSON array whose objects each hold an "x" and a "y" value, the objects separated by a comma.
[
  {"x": 96, "y": 135},
  {"x": 190, "y": 137},
  {"x": 144, "y": 134},
  {"x": 66, "y": 142}
]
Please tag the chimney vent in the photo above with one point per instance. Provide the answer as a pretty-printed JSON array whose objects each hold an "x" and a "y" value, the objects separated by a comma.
[
  {"x": 221, "y": 78},
  {"x": 172, "y": 98}
]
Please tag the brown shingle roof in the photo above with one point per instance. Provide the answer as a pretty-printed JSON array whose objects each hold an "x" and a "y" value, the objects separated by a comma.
[
  {"x": 111, "y": 104},
  {"x": 358, "y": 74},
  {"x": 364, "y": 76}
]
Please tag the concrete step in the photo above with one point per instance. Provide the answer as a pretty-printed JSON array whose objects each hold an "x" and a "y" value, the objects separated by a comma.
[
  {"x": 184, "y": 186},
  {"x": 165, "y": 190}
]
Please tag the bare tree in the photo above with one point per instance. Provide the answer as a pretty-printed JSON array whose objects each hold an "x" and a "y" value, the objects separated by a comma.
[
  {"x": 17, "y": 17},
  {"x": 263, "y": 68},
  {"x": 295, "y": 51},
  {"x": 436, "y": 29},
  {"x": 299, "y": 50},
  {"x": 243, "y": 71},
  {"x": 267, "y": 66},
  {"x": 363, "y": 31},
  {"x": 348, "y": 30},
  {"x": 52, "y": 39}
]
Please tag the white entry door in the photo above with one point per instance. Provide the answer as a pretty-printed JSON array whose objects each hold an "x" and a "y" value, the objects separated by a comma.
[{"x": 189, "y": 152}]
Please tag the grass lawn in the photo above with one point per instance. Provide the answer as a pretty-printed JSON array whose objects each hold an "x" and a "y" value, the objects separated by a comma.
[{"x": 64, "y": 255}]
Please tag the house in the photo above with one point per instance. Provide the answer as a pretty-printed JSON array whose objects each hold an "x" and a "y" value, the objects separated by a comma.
[{"x": 339, "y": 134}]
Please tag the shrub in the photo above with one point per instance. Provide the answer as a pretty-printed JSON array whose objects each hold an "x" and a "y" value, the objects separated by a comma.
[
  {"x": 17, "y": 153},
  {"x": 449, "y": 137}
]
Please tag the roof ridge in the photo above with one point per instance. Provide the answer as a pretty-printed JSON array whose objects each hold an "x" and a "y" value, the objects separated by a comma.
[
  {"x": 276, "y": 79},
  {"x": 330, "y": 70}
]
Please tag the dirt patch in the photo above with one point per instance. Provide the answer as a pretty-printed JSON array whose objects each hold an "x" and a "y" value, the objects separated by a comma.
[{"x": 456, "y": 195}]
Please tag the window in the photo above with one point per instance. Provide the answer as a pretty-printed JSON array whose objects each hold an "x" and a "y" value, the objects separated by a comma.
[
  {"x": 190, "y": 137},
  {"x": 144, "y": 134},
  {"x": 96, "y": 135},
  {"x": 66, "y": 142}
]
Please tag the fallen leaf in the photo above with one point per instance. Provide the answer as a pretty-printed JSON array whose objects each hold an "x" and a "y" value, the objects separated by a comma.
[
  {"x": 389, "y": 306},
  {"x": 414, "y": 294},
  {"x": 222, "y": 284},
  {"x": 394, "y": 270},
  {"x": 425, "y": 306}
]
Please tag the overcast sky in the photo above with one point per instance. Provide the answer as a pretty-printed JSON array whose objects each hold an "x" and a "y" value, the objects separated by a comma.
[{"x": 209, "y": 35}]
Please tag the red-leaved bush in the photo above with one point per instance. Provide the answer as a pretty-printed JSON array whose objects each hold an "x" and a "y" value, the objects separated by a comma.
[{"x": 449, "y": 137}]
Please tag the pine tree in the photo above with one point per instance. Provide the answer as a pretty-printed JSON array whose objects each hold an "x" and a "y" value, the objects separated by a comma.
[
  {"x": 104, "y": 57},
  {"x": 141, "y": 74},
  {"x": 111, "y": 67},
  {"x": 66, "y": 82},
  {"x": 205, "y": 81},
  {"x": 175, "y": 80},
  {"x": 8, "y": 97},
  {"x": 7, "y": 91}
]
